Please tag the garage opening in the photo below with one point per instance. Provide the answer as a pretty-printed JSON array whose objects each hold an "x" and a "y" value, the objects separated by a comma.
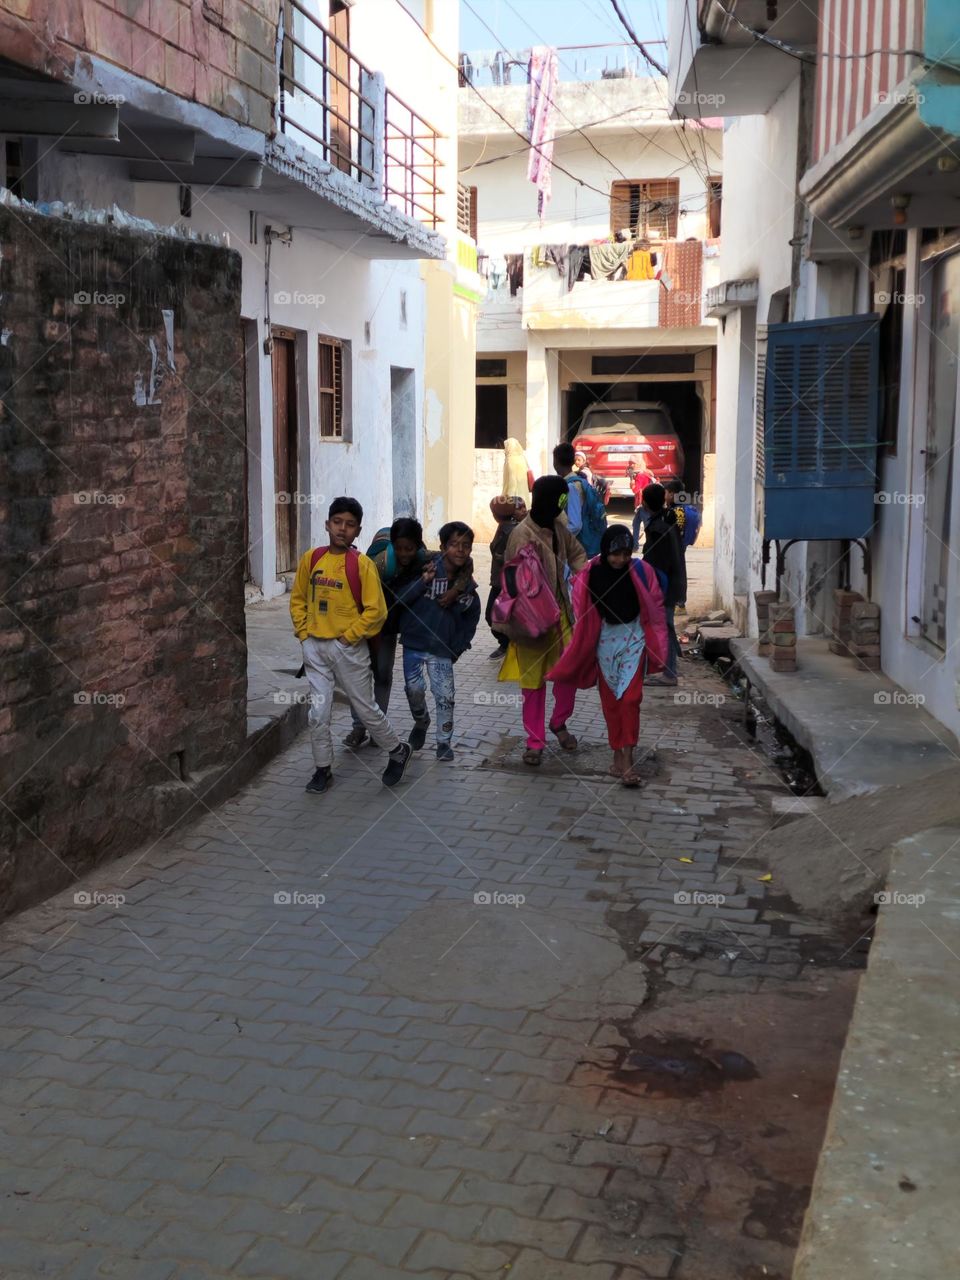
[{"x": 680, "y": 398}]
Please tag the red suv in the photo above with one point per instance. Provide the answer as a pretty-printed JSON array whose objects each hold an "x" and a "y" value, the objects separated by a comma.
[{"x": 612, "y": 433}]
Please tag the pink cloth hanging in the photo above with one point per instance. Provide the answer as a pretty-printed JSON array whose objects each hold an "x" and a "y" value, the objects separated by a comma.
[{"x": 542, "y": 81}]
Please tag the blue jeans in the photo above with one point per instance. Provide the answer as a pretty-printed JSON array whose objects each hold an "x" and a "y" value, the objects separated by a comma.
[
  {"x": 673, "y": 644},
  {"x": 416, "y": 668},
  {"x": 637, "y": 521}
]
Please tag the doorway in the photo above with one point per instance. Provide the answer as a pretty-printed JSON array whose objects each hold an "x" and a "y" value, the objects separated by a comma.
[
  {"x": 403, "y": 423},
  {"x": 285, "y": 446}
]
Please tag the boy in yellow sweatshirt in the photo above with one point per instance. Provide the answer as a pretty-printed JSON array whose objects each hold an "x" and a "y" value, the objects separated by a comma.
[{"x": 336, "y": 606}]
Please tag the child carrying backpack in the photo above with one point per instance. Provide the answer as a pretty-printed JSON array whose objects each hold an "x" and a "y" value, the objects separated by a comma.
[{"x": 586, "y": 516}]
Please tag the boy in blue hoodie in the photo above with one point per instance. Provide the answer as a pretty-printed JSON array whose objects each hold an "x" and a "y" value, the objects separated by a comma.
[{"x": 437, "y": 624}]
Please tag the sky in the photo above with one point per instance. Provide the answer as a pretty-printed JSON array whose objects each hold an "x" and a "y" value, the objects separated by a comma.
[{"x": 521, "y": 23}]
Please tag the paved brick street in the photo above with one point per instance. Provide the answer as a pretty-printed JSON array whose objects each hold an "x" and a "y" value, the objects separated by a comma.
[{"x": 500, "y": 1044}]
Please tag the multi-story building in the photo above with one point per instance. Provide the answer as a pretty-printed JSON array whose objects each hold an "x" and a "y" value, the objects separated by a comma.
[
  {"x": 552, "y": 341},
  {"x": 319, "y": 142},
  {"x": 842, "y": 162}
]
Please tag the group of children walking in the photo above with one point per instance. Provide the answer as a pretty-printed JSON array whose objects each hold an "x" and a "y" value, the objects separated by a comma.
[{"x": 559, "y": 615}]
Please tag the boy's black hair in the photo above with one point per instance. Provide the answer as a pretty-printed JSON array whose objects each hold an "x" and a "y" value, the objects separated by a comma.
[
  {"x": 348, "y": 506},
  {"x": 455, "y": 529},
  {"x": 654, "y": 496},
  {"x": 408, "y": 528},
  {"x": 564, "y": 455},
  {"x": 675, "y": 486}
]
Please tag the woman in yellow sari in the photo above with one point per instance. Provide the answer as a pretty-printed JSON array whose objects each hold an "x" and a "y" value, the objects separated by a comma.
[{"x": 515, "y": 470}]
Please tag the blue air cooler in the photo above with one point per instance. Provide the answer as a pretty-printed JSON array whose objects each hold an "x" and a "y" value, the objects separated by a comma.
[{"x": 820, "y": 418}]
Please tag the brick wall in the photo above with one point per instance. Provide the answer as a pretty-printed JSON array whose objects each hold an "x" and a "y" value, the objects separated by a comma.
[
  {"x": 121, "y": 528},
  {"x": 216, "y": 52}
]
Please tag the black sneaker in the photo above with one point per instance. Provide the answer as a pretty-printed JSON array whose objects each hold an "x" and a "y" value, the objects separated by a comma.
[
  {"x": 498, "y": 653},
  {"x": 418, "y": 734},
  {"x": 444, "y": 751},
  {"x": 320, "y": 781},
  {"x": 396, "y": 763},
  {"x": 356, "y": 738}
]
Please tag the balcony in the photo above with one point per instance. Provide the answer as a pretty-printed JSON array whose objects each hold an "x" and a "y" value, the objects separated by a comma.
[{"x": 719, "y": 68}]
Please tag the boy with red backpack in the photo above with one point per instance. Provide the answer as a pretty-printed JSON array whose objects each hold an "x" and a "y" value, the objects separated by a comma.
[{"x": 336, "y": 606}]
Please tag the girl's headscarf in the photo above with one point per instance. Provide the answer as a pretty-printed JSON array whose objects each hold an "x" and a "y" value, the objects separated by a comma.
[
  {"x": 548, "y": 499},
  {"x": 514, "y": 469},
  {"x": 613, "y": 590}
]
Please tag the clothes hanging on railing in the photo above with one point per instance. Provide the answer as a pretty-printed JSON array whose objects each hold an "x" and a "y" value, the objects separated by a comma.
[
  {"x": 681, "y": 299},
  {"x": 515, "y": 272},
  {"x": 541, "y": 90},
  {"x": 547, "y": 255},
  {"x": 608, "y": 260},
  {"x": 578, "y": 262}
]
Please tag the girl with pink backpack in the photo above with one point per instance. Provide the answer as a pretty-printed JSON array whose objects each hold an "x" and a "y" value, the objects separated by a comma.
[
  {"x": 533, "y": 610},
  {"x": 620, "y": 635}
]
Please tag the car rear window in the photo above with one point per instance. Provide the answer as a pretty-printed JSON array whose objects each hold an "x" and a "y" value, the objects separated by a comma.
[{"x": 624, "y": 422}]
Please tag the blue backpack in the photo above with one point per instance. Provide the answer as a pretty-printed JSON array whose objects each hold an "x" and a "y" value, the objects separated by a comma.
[
  {"x": 593, "y": 516},
  {"x": 692, "y": 521}
]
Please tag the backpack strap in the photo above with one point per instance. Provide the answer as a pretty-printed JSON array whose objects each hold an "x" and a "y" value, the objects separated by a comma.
[{"x": 352, "y": 567}]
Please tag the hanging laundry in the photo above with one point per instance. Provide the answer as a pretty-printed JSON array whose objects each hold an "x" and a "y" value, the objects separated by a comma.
[
  {"x": 578, "y": 260},
  {"x": 515, "y": 272},
  {"x": 607, "y": 259},
  {"x": 546, "y": 255},
  {"x": 541, "y": 89},
  {"x": 641, "y": 266},
  {"x": 681, "y": 299}
]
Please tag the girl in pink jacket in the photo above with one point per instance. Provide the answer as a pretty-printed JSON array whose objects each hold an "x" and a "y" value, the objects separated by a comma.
[{"x": 620, "y": 634}]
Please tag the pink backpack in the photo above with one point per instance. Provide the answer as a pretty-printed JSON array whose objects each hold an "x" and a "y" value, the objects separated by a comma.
[{"x": 531, "y": 609}]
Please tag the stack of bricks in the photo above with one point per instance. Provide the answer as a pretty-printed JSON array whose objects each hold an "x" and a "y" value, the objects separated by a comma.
[
  {"x": 763, "y": 601},
  {"x": 783, "y": 637},
  {"x": 842, "y": 630},
  {"x": 864, "y": 639}
]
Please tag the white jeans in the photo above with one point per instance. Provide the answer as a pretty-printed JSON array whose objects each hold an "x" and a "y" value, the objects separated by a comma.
[{"x": 329, "y": 664}]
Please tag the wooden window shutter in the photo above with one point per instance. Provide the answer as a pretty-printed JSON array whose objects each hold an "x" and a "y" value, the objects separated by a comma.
[
  {"x": 645, "y": 205},
  {"x": 330, "y": 388},
  {"x": 620, "y": 205},
  {"x": 473, "y": 212}
]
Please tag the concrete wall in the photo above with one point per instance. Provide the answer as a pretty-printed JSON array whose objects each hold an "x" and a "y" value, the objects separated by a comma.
[
  {"x": 219, "y": 54},
  {"x": 122, "y": 511}
]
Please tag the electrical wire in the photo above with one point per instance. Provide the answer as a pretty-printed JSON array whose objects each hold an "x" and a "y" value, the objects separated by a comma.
[
  {"x": 804, "y": 55},
  {"x": 633, "y": 36}
]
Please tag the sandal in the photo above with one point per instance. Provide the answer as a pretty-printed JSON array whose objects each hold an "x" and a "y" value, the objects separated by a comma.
[
  {"x": 532, "y": 756},
  {"x": 566, "y": 739},
  {"x": 631, "y": 778}
]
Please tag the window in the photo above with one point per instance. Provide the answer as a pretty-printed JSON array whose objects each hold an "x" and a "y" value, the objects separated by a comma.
[
  {"x": 491, "y": 426},
  {"x": 467, "y": 210},
  {"x": 496, "y": 368},
  {"x": 645, "y": 207},
  {"x": 714, "y": 203},
  {"x": 330, "y": 388}
]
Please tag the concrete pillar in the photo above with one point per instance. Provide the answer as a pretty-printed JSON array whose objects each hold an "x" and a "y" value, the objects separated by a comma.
[
  {"x": 373, "y": 116},
  {"x": 543, "y": 405},
  {"x": 709, "y": 508}
]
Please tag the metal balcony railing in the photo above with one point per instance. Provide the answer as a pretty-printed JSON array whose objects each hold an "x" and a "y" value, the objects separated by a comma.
[{"x": 336, "y": 106}]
